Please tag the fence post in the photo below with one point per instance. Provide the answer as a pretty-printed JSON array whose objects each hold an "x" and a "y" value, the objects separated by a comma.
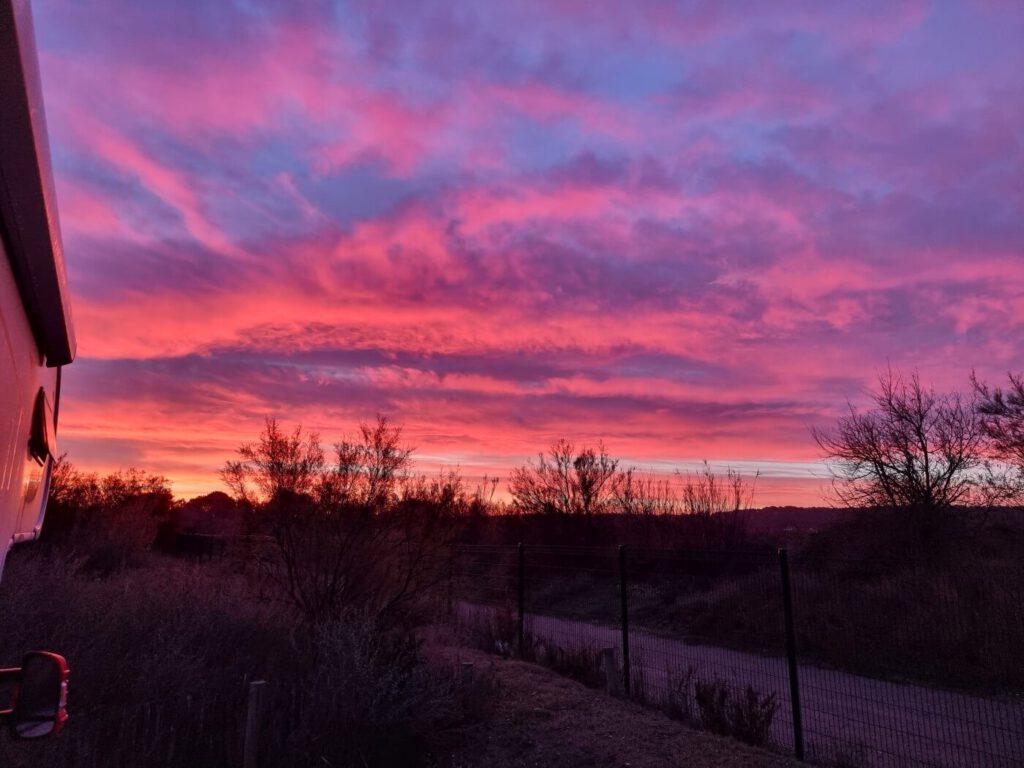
[
  {"x": 521, "y": 586},
  {"x": 253, "y": 716},
  {"x": 610, "y": 670},
  {"x": 451, "y": 584},
  {"x": 623, "y": 596},
  {"x": 794, "y": 681}
]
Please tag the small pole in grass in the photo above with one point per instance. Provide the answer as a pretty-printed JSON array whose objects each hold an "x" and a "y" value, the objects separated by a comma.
[
  {"x": 521, "y": 585},
  {"x": 623, "y": 596},
  {"x": 253, "y": 715},
  {"x": 794, "y": 682},
  {"x": 608, "y": 667}
]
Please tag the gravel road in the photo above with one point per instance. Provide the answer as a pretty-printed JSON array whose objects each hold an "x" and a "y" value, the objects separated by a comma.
[{"x": 856, "y": 720}]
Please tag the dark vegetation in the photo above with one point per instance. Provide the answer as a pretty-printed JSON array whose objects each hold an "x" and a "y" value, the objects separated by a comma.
[
  {"x": 323, "y": 598},
  {"x": 747, "y": 716},
  {"x": 918, "y": 576},
  {"x": 318, "y": 572},
  {"x": 712, "y": 705}
]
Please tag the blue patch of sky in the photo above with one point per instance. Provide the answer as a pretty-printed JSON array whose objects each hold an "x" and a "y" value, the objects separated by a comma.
[
  {"x": 630, "y": 77},
  {"x": 534, "y": 145},
  {"x": 957, "y": 39},
  {"x": 357, "y": 192}
]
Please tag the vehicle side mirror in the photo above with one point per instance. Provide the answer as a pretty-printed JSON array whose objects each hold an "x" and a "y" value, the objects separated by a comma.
[{"x": 40, "y": 696}]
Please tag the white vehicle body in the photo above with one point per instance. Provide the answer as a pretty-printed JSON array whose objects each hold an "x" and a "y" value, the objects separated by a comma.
[{"x": 36, "y": 332}]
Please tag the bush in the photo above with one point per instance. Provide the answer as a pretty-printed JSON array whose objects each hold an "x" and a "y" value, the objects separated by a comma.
[
  {"x": 374, "y": 701},
  {"x": 747, "y": 717},
  {"x": 678, "y": 703},
  {"x": 497, "y": 631},
  {"x": 581, "y": 663},
  {"x": 161, "y": 656}
]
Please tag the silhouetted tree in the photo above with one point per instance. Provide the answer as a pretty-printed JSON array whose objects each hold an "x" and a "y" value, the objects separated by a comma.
[
  {"x": 1002, "y": 420},
  {"x": 110, "y": 519},
  {"x": 565, "y": 481},
  {"x": 636, "y": 493},
  {"x": 721, "y": 502},
  {"x": 277, "y": 464},
  {"x": 370, "y": 468},
  {"x": 718, "y": 504},
  {"x": 915, "y": 450},
  {"x": 356, "y": 537}
]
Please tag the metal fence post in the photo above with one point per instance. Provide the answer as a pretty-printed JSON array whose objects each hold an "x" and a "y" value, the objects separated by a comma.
[
  {"x": 794, "y": 682},
  {"x": 521, "y": 586},
  {"x": 623, "y": 596},
  {"x": 253, "y": 715}
]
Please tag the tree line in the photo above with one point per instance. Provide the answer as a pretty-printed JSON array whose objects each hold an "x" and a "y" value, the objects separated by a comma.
[
  {"x": 358, "y": 527},
  {"x": 929, "y": 452}
]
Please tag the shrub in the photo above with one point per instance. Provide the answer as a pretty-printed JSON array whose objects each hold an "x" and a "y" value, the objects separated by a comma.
[
  {"x": 581, "y": 663},
  {"x": 374, "y": 701},
  {"x": 161, "y": 654},
  {"x": 678, "y": 703},
  {"x": 497, "y": 631},
  {"x": 747, "y": 717}
]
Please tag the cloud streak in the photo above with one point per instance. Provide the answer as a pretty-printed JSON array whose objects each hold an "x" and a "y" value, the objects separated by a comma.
[{"x": 692, "y": 232}]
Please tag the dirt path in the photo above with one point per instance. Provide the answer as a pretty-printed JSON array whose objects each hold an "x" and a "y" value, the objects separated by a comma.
[
  {"x": 847, "y": 718},
  {"x": 542, "y": 720},
  {"x": 866, "y": 721}
]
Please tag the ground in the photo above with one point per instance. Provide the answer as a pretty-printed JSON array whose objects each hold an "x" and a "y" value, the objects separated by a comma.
[{"x": 543, "y": 719}]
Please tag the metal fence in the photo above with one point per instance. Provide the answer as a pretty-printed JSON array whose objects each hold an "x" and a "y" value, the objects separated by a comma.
[{"x": 858, "y": 664}]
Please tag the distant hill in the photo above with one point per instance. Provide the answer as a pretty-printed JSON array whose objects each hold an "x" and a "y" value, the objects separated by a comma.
[
  {"x": 214, "y": 514},
  {"x": 803, "y": 519}
]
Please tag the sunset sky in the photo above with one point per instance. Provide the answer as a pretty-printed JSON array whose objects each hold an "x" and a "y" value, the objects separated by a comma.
[{"x": 691, "y": 230}]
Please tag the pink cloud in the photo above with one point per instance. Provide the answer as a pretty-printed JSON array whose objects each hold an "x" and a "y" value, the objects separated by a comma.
[{"x": 691, "y": 231}]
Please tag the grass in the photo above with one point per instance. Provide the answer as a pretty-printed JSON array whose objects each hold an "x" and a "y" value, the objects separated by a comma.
[
  {"x": 161, "y": 653},
  {"x": 954, "y": 623},
  {"x": 744, "y": 714}
]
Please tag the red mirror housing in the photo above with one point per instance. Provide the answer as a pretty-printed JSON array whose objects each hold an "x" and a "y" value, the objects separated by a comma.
[{"x": 39, "y": 704}]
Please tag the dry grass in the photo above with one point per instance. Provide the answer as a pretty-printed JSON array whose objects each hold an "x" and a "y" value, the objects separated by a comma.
[
  {"x": 543, "y": 719},
  {"x": 160, "y": 655}
]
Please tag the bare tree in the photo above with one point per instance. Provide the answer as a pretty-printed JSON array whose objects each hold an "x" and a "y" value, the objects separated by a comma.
[
  {"x": 721, "y": 502},
  {"x": 369, "y": 469},
  {"x": 1002, "y": 420},
  {"x": 277, "y": 464},
  {"x": 113, "y": 518},
  {"x": 482, "y": 500},
  {"x": 385, "y": 459},
  {"x": 565, "y": 481},
  {"x": 915, "y": 450},
  {"x": 354, "y": 537},
  {"x": 644, "y": 494}
]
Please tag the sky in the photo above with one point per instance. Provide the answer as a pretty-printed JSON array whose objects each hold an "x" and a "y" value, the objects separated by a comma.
[{"x": 694, "y": 231}]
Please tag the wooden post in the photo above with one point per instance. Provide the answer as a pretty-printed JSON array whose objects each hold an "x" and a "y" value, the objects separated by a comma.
[
  {"x": 253, "y": 716},
  {"x": 612, "y": 682}
]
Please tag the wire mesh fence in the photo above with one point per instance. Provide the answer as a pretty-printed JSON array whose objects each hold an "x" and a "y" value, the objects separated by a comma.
[{"x": 882, "y": 667}]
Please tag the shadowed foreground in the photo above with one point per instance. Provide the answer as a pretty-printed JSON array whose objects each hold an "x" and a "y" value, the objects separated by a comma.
[
  {"x": 543, "y": 719},
  {"x": 890, "y": 723}
]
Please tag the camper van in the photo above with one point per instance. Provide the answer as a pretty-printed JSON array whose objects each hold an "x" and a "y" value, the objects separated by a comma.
[
  {"x": 36, "y": 340},
  {"x": 36, "y": 334}
]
